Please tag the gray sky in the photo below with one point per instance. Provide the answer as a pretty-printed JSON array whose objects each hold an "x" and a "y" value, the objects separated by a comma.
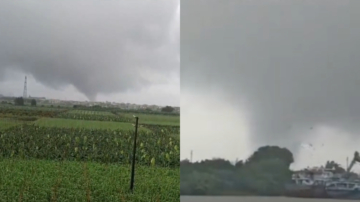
[
  {"x": 125, "y": 51},
  {"x": 282, "y": 73}
]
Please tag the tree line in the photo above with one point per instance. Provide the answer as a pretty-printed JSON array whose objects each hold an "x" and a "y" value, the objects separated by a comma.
[
  {"x": 20, "y": 101},
  {"x": 265, "y": 172}
]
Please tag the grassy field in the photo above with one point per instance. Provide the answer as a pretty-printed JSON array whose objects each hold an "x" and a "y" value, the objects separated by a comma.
[
  {"x": 155, "y": 119},
  {"x": 49, "y": 154},
  {"x": 8, "y": 123},
  {"x": 69, "y": 123},
  {"x": 254, "y": 199},
  {"x": 40, "y": 180}
]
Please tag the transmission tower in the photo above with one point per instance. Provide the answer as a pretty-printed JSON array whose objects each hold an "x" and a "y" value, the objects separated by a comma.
[{"x": 25, "y": 89}]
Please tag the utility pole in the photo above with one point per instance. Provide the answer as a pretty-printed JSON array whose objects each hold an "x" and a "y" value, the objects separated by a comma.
[{"x": 191, "y": 156}]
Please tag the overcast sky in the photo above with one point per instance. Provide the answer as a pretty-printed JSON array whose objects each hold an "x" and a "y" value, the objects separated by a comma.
[
  {"x": 124, "y": 51},
  {"x": 283, "y": 73}
]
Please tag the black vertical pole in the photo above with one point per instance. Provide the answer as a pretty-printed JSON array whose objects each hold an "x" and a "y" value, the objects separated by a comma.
[{"x": 133, "y": 157}]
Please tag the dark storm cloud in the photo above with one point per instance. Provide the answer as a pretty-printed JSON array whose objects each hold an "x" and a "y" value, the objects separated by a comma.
[
  {"x": 97, "y": 46},
  {"x": 295, "y": 64}
]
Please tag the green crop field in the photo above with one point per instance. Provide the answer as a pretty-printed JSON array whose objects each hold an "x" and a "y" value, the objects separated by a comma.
[
  {"x": 68, "y": 123},
  {"x": 85, "y": 112},
  {"x": 93, "y": 116},
  {"x": 38, "y": 108},
  {"x": 7, "y": 123},
  {"x": 155, "y": 119},
  {"x": 41, "y": 180},
  {"x": 65, "y": 154}
]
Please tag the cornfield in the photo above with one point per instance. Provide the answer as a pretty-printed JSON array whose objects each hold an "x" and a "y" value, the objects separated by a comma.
[
  {"x": 163, "y": 129},
  {"x": 94, "y": 117},
  {"x": 105, "y": 146}
]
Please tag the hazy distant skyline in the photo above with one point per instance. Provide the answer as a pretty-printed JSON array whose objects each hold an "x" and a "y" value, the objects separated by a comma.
[
  {"x": 279, "y": 72},
  {"x": 15, "y": 88},
  {"x": 126, "y": 51}
]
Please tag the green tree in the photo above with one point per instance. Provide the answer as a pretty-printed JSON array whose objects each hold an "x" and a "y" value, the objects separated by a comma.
[
  {"x": 272, "y": 152},
  {"x": 334, "y": 166},
  {"x": 267, "y": 176},
  {"x": 33, "y": 102},
  {"x": 167, "y": 109},
  {"x": 265, "y": 172},
  {"x": 217, "y": 163},
  {"x": 19, "y": 101},
  {"x": 239, "y": 164}
]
